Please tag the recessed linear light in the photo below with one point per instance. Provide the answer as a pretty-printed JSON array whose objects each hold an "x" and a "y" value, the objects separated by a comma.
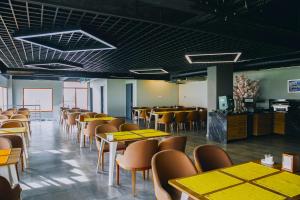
[
  {"x": 213, "y": 58},
  {"x": 26, "y": 38},
  {"x": 149, "y": 71},
  {"x": 56, "y": 65}
]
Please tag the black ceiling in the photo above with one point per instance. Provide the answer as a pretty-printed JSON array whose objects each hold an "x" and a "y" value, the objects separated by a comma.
[{"x": 149, "y": 33}]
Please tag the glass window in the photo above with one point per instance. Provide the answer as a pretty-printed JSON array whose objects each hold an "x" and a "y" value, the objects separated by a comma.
[
  {"x": 38, "y": 99},
  {"x": 75, "y": 95}
]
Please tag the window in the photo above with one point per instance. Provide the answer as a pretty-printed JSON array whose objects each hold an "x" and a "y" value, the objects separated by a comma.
[
  {"x": 75, "y": 95},
  {"x": 38, "y": 99},
  {"x": 3, "y": 98}
]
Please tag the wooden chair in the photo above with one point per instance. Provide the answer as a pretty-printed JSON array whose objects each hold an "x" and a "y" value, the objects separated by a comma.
[
  {"x": 18, "y": 116},
  {"x": 71, "y": 123},
  {"x": 166, "y": 165},
  {"x": 90, "y": 114},
  {"x": 7, "y": 192},
  {"x": 117, "y": 122},
  {"x": 211, "y": 157},
  {"x": 166, "y": 120},
  {"x": 137, "y": 157},
  {"x": 129, "y": 127},
  {"x": 89, "y": 131},
  {"x": 173, "y": 143},
  {"x": 99, "y": 115},
  {"x": 11, "y": 124},
  {"x": 3, "y": 117},
  {"x": 105, "y": 128},
  {"x": 8, "y": 113},
  {"x": 24, "y": 112},
  {"x": 5, "y": 143}
]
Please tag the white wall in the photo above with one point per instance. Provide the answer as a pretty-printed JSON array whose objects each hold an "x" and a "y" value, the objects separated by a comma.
[
  {"x": 95, "y": 85},
  {"x": 116, "y": 97},
  {"x": 193, "y": 93},
  {"x": 156, "y": 93},
  {"x": 57, "y": 86}
]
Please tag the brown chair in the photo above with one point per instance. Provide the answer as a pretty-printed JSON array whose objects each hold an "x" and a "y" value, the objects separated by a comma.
[
  {"x": 90, "y": 114},
  {"x": 193, "y": 119},
  {"x": 11, "y": 124},
  {"x": 12, "y": 109},
  {"x": 166, "y": 120},
  {"x": 137, "y": 157},
  {"x": 89, "y": 131},
  {"x": 8, "y": 113},
  {"x": 5, "y": 143},
  {"x": 210, "y": 157},
  {"x": 106, "y": 128},
  {"x": 117, "y": 122},
  {"x": 17, "y": 142},
  {"x": 180, "y": 120},
  {"x": 176, "y": 143},
  {"x": 7, "y": 192},
  {"x": 24, "y": 112},
  {"x": 166, "y": 165},
  {"x": 129, "y": 127},
  {"x": 72, "y": 121},
  {"x": 18, "y": 116},
  {"x": 3, "y": 117},
  {"x": 26, "y": 109},
  {"x": 100, "y": 115}
]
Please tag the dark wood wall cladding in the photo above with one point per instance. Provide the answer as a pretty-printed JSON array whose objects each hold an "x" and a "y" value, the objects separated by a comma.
[
  {"x": 236, "y": 127},
  {"x": 262, "y": 123},
  {"x": 279, "y": 123}
]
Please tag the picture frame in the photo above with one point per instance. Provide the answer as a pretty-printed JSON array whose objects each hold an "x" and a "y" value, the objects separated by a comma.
[
  {"x": 290, "y": 162},
  {"x": 293, "y": 86}
]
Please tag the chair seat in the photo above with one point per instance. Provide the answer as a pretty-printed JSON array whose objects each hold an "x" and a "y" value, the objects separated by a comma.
[{"x": 122, "y": 163}]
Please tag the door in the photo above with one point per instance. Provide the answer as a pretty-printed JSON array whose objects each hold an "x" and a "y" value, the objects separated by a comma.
[
  {"x": 102, "y": 99},
  {"x": 129, "y": 100}
]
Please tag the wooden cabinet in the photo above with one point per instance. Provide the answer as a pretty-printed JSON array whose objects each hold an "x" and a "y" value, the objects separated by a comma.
[
  {"x": 279, "y": 123},
  {"x": 236, "y": 127},
  {"x": 262, "y": 123}
]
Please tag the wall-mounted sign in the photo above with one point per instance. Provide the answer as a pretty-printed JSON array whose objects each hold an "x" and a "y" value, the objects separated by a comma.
[{"x": 294, "y": 86}]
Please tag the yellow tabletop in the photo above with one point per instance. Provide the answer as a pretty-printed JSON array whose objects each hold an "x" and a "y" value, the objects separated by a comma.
[
  {"x": 90, "y": 119},
  {"x": 176, "y": 111},
  {"x": 5, "y": 152},
  {"x": 12, "y": 130},
  {"x": 285, "y": 183},
  {"x": 244, "y": 191}
]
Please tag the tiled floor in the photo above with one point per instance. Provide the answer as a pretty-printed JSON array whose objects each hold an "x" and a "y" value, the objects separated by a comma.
[{"x": 59, "y": 169}]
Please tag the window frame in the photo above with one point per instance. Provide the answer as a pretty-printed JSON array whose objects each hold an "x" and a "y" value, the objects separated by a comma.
[
  {"x": 39, "y": 89},
  {"x": 77, "y": 88}
]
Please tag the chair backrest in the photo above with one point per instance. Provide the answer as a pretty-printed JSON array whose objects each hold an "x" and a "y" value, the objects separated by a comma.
[
  {"x": 18, "y": 116},
  {"x": 166, "y": 165},
  {"x": 193, "y": 116},
  {"x": 11, "y": 124},
  {"x": 91, "y": 127},
  {"x": 8, "y": 113},
  {"x": 105, "y": 128},
  {"x": 138, "y": 154},
  {"x": 100, "y": 115},
  {"x": 129, "y": 127},
  {"x": 210, "y": 157},
  {"x": 23, "y": 109},
  {"x": 12, "y": 109},
  {"x": 72, "y": 118},
  {"x": 117, "y": 122},
  {"x": 15, "y": 140},
  {"x": 90, "y": 114},
  {"x": 167, "y": 117},
  {"x": 8, "y": 193},
  {"x": 5, "y": 143},
  {"x": 4, "y": 117},
  {"x": 203, "y": 114},
  {"x": 24, "y": 112},
  {"x": 173, "y": 143},
  {"x": 180, "y": 117}
]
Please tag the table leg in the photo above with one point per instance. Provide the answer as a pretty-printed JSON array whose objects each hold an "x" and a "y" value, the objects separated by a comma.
[
  {"x": 24, "y": 160},
  {"x": 100, "y": 154},
  {"x": 28, "y": 130},
  {"x": 13, "y": 174},
  {"x": 24, "y": 145},
  {"x": 81, "y": 133},
  {"x": 184, "y": 196},
  {"x": 112, "y": 157},
  {"x": 155, "y": 122}
]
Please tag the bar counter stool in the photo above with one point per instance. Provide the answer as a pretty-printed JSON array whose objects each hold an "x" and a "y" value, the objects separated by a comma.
[
  {"x": 193, "y": 119},
  {"x": 137, "y": 157},
  {"x": 181, "y": 120},
  {"x": 166, "y": 120}
]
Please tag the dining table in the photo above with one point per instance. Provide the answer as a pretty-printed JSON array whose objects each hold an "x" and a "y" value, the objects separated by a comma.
[
  {"x": 112, "y": 140},
  {"x": 9, "y": 158},
  {"x": 21, "y": 131},
  {"x": 85, "y": 121},
  {"x": 251, "y": 181}
]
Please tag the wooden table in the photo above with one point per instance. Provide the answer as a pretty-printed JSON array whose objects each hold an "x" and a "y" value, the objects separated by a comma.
[
  {"x": 8, "y": 169},
  {"x": 122, "y": 137},
  {"x": 87, "y": 120},
  {"x": 21, "y": 131},
  {"x": 156, "y": 114},
  {"x": 236, "y": 174}
]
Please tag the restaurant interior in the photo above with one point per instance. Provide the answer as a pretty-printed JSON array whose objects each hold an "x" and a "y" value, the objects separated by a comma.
[{"x": 142, "y": 99}]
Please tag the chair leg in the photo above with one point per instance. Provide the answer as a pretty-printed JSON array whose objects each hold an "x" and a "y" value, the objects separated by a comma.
[
  {"x": 102, "y": 161},
  {"x": 144, "y": 175},
  {"x": 118, "y": 174},
  {"x": 83, "y": 140},
  {"x": 148, "y": 174},
  {"x": 133, "y": 181}
]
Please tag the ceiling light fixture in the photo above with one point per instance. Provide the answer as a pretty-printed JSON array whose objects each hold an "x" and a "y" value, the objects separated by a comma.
[
  {"x": 149, "y": 71},
  {"x": 213, "y": 58}
]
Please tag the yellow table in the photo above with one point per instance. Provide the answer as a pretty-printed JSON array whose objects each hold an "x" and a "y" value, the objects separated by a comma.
[
  {"x": 113, "y": 138},
  {"x": 25, "y": 122},
  {"x": 87, "y": 120},
  {"x": 8, "y": 165},
  {"x": 251, "y": 181},
  {"x": 21, "y": 131}
]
